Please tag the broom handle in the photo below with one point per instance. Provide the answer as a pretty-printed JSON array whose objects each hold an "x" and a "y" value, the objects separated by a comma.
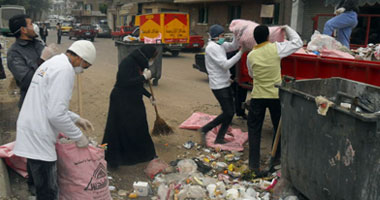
[
  {"x": 79, "y": 84},
  {"x": 151, "y": 91},
  {"x": 277, "y": 139}
]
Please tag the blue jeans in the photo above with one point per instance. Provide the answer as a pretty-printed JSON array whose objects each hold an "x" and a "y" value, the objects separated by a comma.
[
  {"x": 44, "y": 175},
  {"x": 344, "y": 23}
]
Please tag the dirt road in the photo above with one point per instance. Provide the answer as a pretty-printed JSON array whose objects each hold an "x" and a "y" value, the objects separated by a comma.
[{"x": 181, "y": 91}]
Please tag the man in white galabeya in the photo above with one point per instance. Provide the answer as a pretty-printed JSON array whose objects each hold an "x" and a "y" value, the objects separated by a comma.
[{"x": 44, "y": 114}]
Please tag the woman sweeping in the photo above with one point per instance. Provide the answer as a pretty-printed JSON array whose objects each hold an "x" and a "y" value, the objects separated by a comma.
[{"x": 127, "y": 132}]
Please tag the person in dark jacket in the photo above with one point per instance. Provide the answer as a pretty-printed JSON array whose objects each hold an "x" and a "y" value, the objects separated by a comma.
[
  {"x": 24, "y": 54},
  {"x": 127, "y": 131},
  {"x": 2, "y": 71},
  {"x": 44, "y": 32},
  {"x": 344, "y": 22},
  {"x": 59, "y": 33}
]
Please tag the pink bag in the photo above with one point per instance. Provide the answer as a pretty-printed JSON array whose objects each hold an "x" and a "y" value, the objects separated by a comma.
[
  {"x": 154, "y": 167},
  {"x": 196, "y": 121},
  {"x": 243, "y": 29},
  {"x": 15, "y": 162},
  {"x": 82, "y": 173},
  {"x": 235, "y": 137}
]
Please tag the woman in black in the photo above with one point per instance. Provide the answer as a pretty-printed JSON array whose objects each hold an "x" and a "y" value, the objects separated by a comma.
[{"x": 127, "y": 132}]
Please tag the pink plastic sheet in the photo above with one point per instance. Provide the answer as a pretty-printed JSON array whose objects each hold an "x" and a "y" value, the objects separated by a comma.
[
  {"x": 15, "y": 162},
  {"x": 235, "y": 137},
  {"x": 82, "y": 173},
  {"x": 328, "y": 53},
  {"x": 243, "y": 29}
]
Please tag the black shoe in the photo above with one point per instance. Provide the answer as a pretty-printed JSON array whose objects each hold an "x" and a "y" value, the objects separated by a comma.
[
  {"x": 219, "y": 141},
  {"x": 244, "y": 116}
]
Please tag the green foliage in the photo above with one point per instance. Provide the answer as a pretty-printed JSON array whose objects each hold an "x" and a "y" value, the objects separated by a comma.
[{"x": 32, "y": 7}]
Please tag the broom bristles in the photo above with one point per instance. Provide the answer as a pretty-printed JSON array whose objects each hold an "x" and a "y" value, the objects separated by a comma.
[{"x": 161, "y": 128}]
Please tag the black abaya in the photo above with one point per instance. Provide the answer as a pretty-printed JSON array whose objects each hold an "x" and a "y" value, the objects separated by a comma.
[{"x": 127, "y": 132}]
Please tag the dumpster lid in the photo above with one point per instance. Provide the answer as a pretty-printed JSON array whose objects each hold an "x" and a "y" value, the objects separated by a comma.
[{"x": 364, "y": 99}]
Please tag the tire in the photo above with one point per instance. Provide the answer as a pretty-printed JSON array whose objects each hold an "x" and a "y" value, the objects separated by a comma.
[
  {"x": 175, "y": 53},
  {"x": 69, "y": 37},
  {"x": 92, "y": 39}
]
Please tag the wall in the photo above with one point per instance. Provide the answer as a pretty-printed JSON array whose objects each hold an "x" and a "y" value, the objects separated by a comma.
[{"x": 312, "y": 8}]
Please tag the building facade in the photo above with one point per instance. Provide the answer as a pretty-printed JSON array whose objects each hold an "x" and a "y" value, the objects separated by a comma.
[{"x": 87, "y": 11}]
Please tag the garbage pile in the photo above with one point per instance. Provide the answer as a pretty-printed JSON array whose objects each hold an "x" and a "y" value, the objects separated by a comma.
[
  {"x": 370, "y": 53},
  {"x": 212, "y": 174}
]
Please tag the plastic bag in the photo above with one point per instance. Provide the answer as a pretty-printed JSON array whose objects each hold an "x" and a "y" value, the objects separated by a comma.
[
  {"x": 187, "y": 166},
  {"x": 320, "y": 41},
  {"x": 154, "y": 167},
  {"x": 82, "y": 173},
  {"x": 192, "y": 192},
  {"x": 376, "y": 53},
  {"x": 15, "y": 162}
]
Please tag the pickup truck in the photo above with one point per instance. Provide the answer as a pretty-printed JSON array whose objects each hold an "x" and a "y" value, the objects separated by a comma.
[
  {"x": 84, "y": 31},
  {"x": 122, "y": 31}
]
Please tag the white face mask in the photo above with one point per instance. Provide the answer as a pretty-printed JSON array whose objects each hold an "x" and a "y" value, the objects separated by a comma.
[{"x": 79, "y": 69}]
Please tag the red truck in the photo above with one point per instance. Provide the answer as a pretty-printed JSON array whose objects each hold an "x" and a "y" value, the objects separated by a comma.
[
  {"x": 122, "y": 31},
  {"x": 84, "y": 31}
]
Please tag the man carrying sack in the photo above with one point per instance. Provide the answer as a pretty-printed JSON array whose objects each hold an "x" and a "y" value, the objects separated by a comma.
[{"x": 45, "y": 114}]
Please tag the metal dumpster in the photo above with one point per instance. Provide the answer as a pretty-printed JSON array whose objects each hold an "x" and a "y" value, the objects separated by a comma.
[
  {"x": 125, "y": 48},
  {"x": 336, "y": 156}
]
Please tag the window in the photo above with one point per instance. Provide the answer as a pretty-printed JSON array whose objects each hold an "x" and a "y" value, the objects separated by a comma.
[
  {"x": 169, "y": 10},
  {"x": 148, "y": 10},
  {"x": 234, "y": 12},
  {"x": 276, "y": 16},
  {"x": 203, "y": 15}
]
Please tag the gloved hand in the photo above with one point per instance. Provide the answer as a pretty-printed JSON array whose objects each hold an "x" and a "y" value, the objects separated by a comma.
[
  {"x": 152, "y": 101},
  {"x": 49, "y": 51},
  {"x": 84, "y": 124},
  {"x": 82, "y": 142},
  {"x": 339, "y": 11},
  {"x": 147, "y": 74}
]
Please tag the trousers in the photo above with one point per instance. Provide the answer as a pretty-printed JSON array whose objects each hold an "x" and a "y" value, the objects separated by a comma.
[
  {"x": 226, "y": 101},
  {"x": 344, "y": 23},
  {"x": 256, "y": 116},
  {"x": 44, "y": 176}
]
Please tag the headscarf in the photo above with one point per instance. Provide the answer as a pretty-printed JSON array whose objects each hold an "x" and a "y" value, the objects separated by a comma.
[{"x": 143, "y": 55}]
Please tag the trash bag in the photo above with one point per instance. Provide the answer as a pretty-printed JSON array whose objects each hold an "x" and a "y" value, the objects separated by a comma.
[
  {"x": 243, "y": 31},
  {"x": 154, "y": 167},
  {"x": 187, "y": 166},
  {"x": 192, "y": 192},
  {"x": 15, "y": 162},
  {"x": 82, "y": 172},
  {"x": 320, "y": 41}
]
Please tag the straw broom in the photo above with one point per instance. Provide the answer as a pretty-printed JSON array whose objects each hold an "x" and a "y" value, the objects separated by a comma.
[{"x": 160, "y": 127}]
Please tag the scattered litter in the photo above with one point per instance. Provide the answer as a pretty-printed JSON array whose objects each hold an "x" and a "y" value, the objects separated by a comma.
[
  {"x": 111, "y": 188},
  {"x": 189, "y": 145},
  {"x": 141, "y": 188},
  {"x": 122, "y": 193},
  {"x": 323, "y": 105}
]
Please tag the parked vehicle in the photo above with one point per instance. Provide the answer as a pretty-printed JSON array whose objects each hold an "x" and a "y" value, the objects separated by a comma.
[
  {"x": 122, "y": 31},
  {"x": 196, "y": 43},
  {"x": 7, "y": 12},
  {"x": 103, "y": 30},
  {"x": 84, "y": 31},
  {"x": 66, "y": 27},
  {"x": 173, "y": 28}
]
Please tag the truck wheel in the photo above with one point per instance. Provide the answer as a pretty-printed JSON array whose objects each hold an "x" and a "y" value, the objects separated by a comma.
[
  {"x": 69, "y": 37},
  {"x": 175, "y": 53},
  {"x": 92, "y": 39}
]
